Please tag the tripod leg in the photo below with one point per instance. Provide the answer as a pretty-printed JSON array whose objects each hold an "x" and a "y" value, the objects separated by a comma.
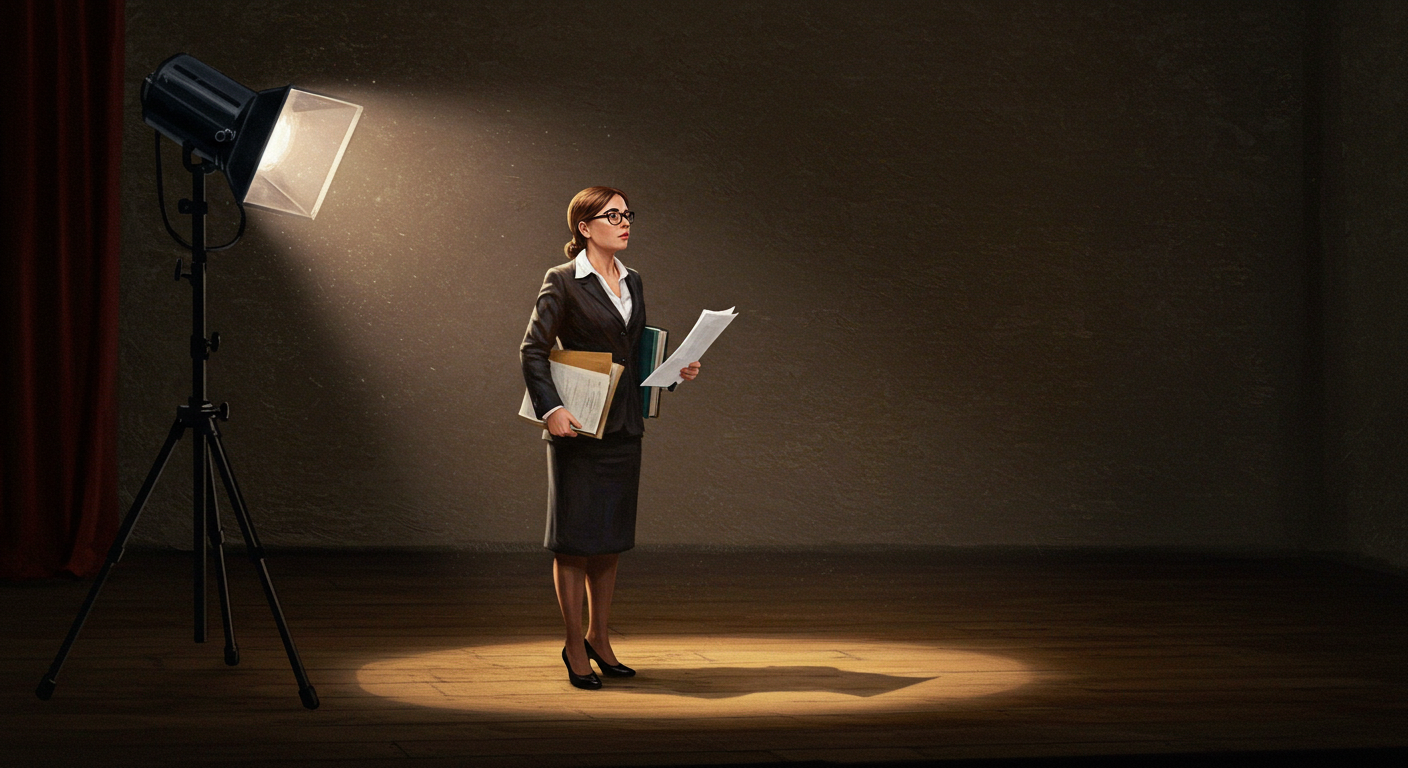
[
  {"x": 306, "y": 692},
  {"x": 199, "y": 514},
  {"x": 217, "y": 543},
  {"x": 46, "y": 685}
]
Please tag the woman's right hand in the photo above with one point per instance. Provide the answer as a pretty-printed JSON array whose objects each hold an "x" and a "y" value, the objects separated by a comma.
[{"x": 560, "y": 423}]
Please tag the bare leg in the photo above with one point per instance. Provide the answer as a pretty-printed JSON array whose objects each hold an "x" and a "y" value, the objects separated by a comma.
[
  {"x": 568, "y": 575},
  {"x": 601, "y": 583}
]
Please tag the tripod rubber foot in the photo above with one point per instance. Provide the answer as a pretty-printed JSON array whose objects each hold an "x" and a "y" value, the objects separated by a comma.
[
  {"x": 309, "y": 696},
  {"x": 232, "y": 656},
  {"x": 45, "y": 689}
]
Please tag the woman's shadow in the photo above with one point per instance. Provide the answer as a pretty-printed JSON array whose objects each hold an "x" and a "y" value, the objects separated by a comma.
[{"x": 727, "y": 682}]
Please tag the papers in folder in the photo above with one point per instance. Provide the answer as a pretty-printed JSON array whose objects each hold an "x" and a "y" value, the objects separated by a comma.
[
  {"x": 586, "y": 382},
  {"x": 701, "y": 336}
]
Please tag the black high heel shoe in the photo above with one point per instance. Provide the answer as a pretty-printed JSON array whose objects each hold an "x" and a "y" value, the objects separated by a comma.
[
  {"x": 587, "y": 682},
  {"x": 610, "y": 670}
]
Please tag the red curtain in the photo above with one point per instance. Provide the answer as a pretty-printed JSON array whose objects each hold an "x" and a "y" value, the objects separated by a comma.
[{"x": 62, "y": 113}]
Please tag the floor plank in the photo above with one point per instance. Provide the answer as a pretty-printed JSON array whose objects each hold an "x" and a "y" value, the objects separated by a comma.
[{"x": 745, "y": 658}]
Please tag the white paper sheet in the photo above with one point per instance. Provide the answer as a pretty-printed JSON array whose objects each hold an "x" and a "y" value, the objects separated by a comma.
[
  {"x": 711, "y": 323},
  {"x": 583, "y": 393}
]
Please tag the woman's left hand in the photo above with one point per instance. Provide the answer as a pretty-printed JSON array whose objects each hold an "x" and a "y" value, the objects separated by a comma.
[{"x": 691, "y": 372}]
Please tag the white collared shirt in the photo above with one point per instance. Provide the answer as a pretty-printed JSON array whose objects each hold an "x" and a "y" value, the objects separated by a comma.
[{"x": 622, "y": 302}]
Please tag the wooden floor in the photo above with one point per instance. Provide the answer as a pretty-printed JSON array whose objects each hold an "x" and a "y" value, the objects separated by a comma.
[{"x": 452, "y": 659}]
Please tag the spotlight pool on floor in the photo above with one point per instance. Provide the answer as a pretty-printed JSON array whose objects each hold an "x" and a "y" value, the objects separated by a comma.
[{"x": 698, "y": 676}]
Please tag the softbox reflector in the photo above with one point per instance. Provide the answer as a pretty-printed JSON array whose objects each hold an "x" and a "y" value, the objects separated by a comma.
[{"x": 302, "y": 153}]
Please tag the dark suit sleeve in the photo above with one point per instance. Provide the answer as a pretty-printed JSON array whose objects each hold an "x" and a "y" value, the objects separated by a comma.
[{"x": 538, "y": 341}]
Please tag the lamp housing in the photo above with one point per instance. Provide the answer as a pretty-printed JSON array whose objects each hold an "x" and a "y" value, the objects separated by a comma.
[{"x": 278, "y": 149}]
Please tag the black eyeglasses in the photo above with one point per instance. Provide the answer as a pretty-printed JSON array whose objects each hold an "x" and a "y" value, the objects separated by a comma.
[{"x": 614, "y": 217}]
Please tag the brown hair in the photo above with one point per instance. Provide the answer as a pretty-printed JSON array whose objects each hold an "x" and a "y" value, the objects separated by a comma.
[{"x": 584, "y": 205}]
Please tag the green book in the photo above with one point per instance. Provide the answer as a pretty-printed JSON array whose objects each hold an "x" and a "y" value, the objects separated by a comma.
[{"x": 652, "y": 354}]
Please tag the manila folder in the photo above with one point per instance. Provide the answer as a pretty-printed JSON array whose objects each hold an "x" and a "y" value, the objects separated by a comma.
[{"x": 586, "y": 382}]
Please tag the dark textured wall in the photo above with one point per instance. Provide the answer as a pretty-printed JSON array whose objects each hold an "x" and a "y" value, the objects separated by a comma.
[
  {"x": 1366, "y": 238},
  {"x": 1007, "y": 273}
]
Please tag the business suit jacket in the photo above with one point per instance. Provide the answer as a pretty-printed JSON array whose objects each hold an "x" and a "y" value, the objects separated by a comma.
[{"x": 579, "y": 312}]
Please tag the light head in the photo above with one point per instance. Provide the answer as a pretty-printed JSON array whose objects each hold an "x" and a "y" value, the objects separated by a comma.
[{"x": 278, "y": 149}]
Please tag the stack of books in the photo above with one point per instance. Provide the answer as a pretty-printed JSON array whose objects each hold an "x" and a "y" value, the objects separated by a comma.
[{"x": 650, "y": 356}]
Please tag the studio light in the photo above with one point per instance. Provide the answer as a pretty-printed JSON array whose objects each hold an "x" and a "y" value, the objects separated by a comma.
[{"x": 279, "y": 150}]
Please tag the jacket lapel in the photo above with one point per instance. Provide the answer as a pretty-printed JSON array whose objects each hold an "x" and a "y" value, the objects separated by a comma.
[{"x": 592, "y": 285}]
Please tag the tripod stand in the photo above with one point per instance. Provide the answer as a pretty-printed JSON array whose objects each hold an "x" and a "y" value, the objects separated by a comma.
[{"x": 208, "y": 455}]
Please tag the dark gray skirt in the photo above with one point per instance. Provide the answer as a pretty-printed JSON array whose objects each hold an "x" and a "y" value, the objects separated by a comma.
[{"x": 592, "y": 489}]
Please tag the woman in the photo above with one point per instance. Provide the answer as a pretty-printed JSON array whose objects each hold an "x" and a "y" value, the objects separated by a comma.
[{"x": 595, "y": 304}]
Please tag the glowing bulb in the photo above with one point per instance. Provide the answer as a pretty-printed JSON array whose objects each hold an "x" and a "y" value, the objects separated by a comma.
[{"x": 278, "y": 144}]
